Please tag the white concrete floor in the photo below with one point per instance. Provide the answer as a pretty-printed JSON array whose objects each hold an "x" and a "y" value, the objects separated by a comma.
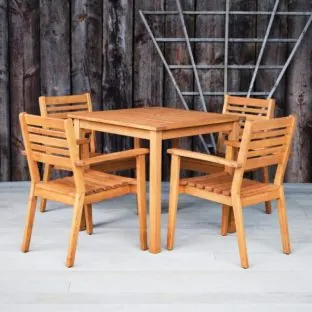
[{"x": 111, "y": 274}]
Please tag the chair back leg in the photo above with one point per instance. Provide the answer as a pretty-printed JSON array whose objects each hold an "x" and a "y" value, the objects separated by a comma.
[
  {"x": 46, "y": 177},
  {"x": 88, "y": 218},
  {"x": 266, "y": 179}
]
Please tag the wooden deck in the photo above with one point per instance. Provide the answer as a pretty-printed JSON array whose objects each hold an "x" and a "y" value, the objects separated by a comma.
[{"x": 111, "y": 271}]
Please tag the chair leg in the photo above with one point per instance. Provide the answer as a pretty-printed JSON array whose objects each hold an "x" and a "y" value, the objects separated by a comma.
[
  {"x": 225, "y": 219},
  {"x": 31, "y": 210},
  {"x": 173, "y": 200},
  {"x": 282, "y": 216},
  {"x": 78, "y": 210},
  {"x": 83, "y": 225},
  {"x": 88, "y": 218},
  {"x": 228, "y": 222},
  {"x": 231, "y": 226},
  {"x": 266, "y": 179},
  {"x": 239, "y": 222},
  {"x": 46, "y": 177},
  {"x": 141, "y": 200}
]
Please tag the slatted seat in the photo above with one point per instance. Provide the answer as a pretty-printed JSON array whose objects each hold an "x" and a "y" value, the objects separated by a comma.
[
  {"x": 53, "y": 142},
  {"x": 249, "y": 109},
  {"x": 264, "y": 143},
  {"x": 95, "y": 182},
  {"x": 221, "y": 183}
]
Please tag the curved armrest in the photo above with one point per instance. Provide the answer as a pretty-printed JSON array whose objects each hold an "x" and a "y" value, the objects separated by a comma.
[
  {"x": 208, "y": 158},
  {"x": 112, "y": 156}
]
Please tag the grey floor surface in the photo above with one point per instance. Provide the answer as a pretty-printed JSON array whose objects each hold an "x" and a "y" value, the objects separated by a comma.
[{"x": 202, "y": 273}]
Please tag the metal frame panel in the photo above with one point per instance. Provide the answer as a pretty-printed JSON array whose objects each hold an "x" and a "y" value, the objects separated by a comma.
[{"x": 226, "y": 40}]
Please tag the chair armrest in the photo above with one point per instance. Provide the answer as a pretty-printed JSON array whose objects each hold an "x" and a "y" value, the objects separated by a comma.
[
  {"x": 112, "y": 156},
  {"x": 232, "y": 143},
  {"x": 208, "y": 158},
  {"x": 82, "y": 141}
]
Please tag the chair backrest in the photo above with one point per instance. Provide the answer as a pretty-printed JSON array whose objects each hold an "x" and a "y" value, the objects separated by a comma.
[
  {"x": 50, "y": 141},
  {"x": 60, "y": 106},
  {"x": 250, "y": 108},
  {"x": 266, "y": 143}
]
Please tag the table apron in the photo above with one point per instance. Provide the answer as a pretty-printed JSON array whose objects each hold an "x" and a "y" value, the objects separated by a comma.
[
  {"x": 190, "y": 131},
  {"x": 121, "y": 130}
]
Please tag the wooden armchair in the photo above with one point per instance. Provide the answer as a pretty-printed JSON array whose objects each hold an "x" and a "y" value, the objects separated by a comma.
[
  {"x": 249, "y": 109},
  {"x": 53, "y": 142},
  {"x": 263, "y": 143},
  {"x": 59, "y": 107}
]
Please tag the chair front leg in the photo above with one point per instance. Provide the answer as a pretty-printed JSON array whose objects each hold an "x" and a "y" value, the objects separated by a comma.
[
  {"x": 173, "y": 199},
  {"x": 266, "y": 179},
  {"x": 141, "y": 199},
  {"x": 31, "y": 210},
  {"x": 46, "y": 177},
  {"x": 239, "y": 222},
  {"x": 282, "y": 216},
  {"x": 77, "y": 213}
]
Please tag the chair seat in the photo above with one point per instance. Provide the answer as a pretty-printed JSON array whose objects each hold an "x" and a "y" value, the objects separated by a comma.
[
  {"x": 95, "y": 182},
  {"x": 221, "y": 182}
]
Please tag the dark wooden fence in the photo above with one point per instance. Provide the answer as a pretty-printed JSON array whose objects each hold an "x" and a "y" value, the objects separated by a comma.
[{"x": 63, "y": 47}]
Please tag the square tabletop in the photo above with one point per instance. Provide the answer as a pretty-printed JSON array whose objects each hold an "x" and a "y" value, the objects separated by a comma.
[{"x": 154, "y": 118}]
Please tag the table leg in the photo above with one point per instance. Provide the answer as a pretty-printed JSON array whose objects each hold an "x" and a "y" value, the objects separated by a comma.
[{"x": 155, "y": 191}]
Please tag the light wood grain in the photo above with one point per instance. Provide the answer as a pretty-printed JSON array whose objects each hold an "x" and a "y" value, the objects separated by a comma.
[
  {"x": 154, "y": 118},
  {"x": 85, "y": 187},
  {"x": 173, "y": 200},
  {"x": 231, "y": 189},
  {"x": 154, "y": 124},
  {"x": 155, "y": 194}
]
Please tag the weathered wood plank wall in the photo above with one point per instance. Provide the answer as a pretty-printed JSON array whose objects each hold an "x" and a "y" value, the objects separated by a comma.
[
  {"x": 71, "y": 46},
  {"x": 5, "y": 150}
]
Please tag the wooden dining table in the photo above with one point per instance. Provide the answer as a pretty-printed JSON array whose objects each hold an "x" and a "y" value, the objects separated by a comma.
[{"x": 154, "y": 124}]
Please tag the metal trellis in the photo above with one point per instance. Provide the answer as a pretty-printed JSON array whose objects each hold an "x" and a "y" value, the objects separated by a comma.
[{"x": 226, "y": 40}]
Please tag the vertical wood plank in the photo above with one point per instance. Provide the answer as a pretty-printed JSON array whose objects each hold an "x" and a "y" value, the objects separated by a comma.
[
  {"x": 55, "y": 50},
  {"x": 209, "y": 54},
  {"x": 242, "y": 26},
  {"x": 24, "y": 73},
  {"x": 4, "y": 95},
  {"x": 86, "y": 51},
  {"x": 117, "y": 63},
  {"x": 55, "y": 47},
  {"x": 79, "y": 47},
  {"x": 299, "y": 97},
  {"x": 274, "y": 53},
  {"x": 177, "y": 54},
  {"x": 148, "y": 68}
]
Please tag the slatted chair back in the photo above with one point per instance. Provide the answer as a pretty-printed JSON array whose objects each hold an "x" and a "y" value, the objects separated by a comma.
[
  {"x": 265, "y": 143},
  {"x": 249, "y": 108},
  {"x": 60, "y": 106},
  {"x": 49, "y": 141}
]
